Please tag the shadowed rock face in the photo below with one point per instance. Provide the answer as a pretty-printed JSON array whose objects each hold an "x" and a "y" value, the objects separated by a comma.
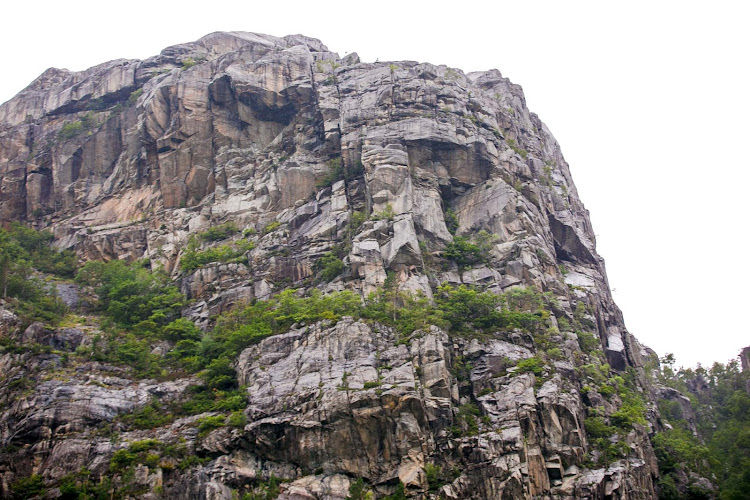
[{"x": 129, "y": 158}]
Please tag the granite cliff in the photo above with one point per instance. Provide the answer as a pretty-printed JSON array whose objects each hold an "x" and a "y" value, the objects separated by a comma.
[{"x": 388, "y": 168}]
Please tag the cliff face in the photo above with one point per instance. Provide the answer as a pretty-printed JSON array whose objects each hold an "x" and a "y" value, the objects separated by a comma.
[{"x": 311, "y": 153}]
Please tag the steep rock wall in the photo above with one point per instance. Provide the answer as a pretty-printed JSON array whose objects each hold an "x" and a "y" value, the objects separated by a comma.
[{"x": 128, "y": 159}]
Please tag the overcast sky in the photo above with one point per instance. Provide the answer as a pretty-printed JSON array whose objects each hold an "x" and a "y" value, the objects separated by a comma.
[{"x": 649, "y": 101}]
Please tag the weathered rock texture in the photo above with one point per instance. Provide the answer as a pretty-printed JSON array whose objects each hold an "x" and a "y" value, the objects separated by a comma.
[{"x": 127, "y": 159}]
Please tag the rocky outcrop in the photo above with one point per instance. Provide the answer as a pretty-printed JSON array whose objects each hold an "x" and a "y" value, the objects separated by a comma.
[
  {"x": 351, "y": 402},
  {"x": 9, "y": 323},
  {"x": 309, "y": 154}
]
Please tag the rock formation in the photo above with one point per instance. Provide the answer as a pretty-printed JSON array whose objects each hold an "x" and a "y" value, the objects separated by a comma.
[{"x": 309, "y": 153}]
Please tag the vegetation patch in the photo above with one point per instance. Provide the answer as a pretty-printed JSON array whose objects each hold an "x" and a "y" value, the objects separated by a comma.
[
  {"x": 335, "y": 172},
  {"x": 131, "y": 295},
  {"x": 451, "y": 221},
  {"x": 207, "y": 424},
  {"x": 194, "y": 257},
  {"x": 722, "y": 410},
  {"x": 22, "y": 250},
  {"x": 271, "y": 227},
  {"x": 531, "y": 365},
  {"x": 467, "y": 254},
  {"x": 75, "y": 128},
  {"x": 387, "y": 214},
  {"x": 518, "y": 150},
  {"x": 330, "y": 266},
  {"x": 27, "y": 487},
  {"x": 134, "y": 96},
  {"x": 219, "y": 232}
]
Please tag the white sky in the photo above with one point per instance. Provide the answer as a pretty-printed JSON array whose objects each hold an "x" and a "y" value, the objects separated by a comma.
[{"x": 649, "y": 101}]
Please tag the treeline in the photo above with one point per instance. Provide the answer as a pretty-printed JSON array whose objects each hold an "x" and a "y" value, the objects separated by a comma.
[{"x": 721, "y": 400}]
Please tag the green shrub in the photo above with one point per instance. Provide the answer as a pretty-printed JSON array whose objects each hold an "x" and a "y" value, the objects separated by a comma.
[
  {"x": 182, "y": 329},
  {"x": 207, "y": 424},
  {"x": 531, "y": 365},
  {"x": 78, "y": 127},
  {"x": 358, "y": 490},
  {"x": 27, "y": 487},
  {"x": 151, "y": 461},
  {"x": 519, "y": 150},
  {"x": 555, "y": 353},
  {"x": 145, "y": 445},
  {"x": 399, "y": 494},
  {"x": 667, "y": 489},
  {"x": 244, "y": 326},
  {"x": 588, "y": 342},
  {"x": 596, "y": 372},
  {"x": 192, "y": 461},
  {"x": 69, "y": 488},
  {"x": 70, "y": 130},
  {"x": 219, "y": 374},
  {"x": 194, "y": 258},
  {"x": 597, "y": 428},
  {"x": 203, "y": 399},
  {"x": 402, "y": 311},
  {"x": 610, "y": 449},
  {"x": 335, "y": 173},
  {"x": 220, "y": 232},
  {"x": 486, "y": 241},
  {"x": 149, "y": 417},
  {"x": 523, "y": 299},
  {"x": 271, "y": 227},
  {"x": 463, "y": 253},
  {"x": 468, "y": 310},
  {"x": 671, "y": 410},
  {"x": 188, "y": 63},
  {"x": 606, "y": 390},
  {"x": 134, "y": 95},
  {"x": 38, "y": 249},
  {"x": 21, "y": 251},
  {"x": 467, "y": 418},
  {"x": 130, "y": 294},
  {"x": 238, "y": 419},
  {"x": 433, "y": 473},
  {"x": 356, "y": 221},
  {"x": 121, "y": 460},
  {"x": 631, "y": 411},
  {"x": 330, "y": 266},
  {"x": 135, "y": 353},
  {"x": 387, "y": 213},
  {"x": 451, "y": 221},
  {"x": 466, "y": 254},
  {"x": 677, "y": 448},
  {"x": 264, "y": 490},
  {"x": 79, "y": 486},
  {"x": 32, "y": 299}
]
